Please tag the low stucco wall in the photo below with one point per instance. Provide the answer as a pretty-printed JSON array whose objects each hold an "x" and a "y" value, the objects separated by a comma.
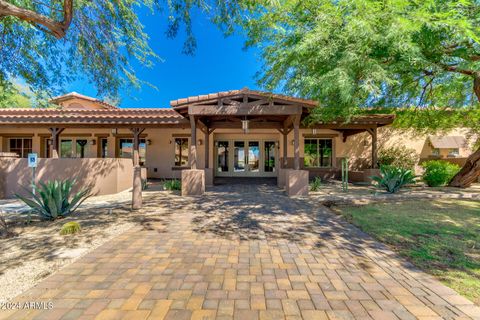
[{"x": 104, "y": 176}]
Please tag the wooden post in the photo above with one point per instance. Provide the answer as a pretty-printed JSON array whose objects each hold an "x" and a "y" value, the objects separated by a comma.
[
  {"x": 296, "y": 142},
  {"x": 137, "y": 170},
  {"x": 373, "y": 133},
  {"x": 207, "y": 146},
  {"x": 193, "y": 143},
  {"x": 55, "y": 141},
  {"x": 285, "y": 148}
]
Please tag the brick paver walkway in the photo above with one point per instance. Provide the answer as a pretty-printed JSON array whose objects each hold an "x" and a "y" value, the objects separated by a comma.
[{"x": 243, "y": 252}]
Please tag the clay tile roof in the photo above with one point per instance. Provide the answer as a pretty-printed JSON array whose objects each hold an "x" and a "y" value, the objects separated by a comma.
[
  {"x": 448, "y": 142},
  {"x": 115, "y": 116},
  {"x": 215, "y": 96},
  {"x": 77, "y": 95}
]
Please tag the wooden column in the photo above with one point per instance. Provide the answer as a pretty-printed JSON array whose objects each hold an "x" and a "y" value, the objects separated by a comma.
[
  {"x": 193, "y": 143},
  {"x": 373, "y": 133},
  {"x": 55, "y": 141},
  {"x": 137, "y": 170},
  {"x": 296, "y": 142},
  {"x": 207, "y": 148},
  {"x": 285, "y": 148}
]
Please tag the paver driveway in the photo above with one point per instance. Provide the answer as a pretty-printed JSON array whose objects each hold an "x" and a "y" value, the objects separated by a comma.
[{"x": 243, "y": 252}]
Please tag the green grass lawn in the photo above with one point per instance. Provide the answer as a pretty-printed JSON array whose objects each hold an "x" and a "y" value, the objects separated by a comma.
[{"x": 441, "y": 237}]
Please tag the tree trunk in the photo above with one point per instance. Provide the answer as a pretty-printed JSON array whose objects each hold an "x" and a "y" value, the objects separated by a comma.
[{"x": 469, "y": 172}]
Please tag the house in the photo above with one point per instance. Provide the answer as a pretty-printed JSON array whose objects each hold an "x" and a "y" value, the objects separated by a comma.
[{"x": 238, "y": 133}]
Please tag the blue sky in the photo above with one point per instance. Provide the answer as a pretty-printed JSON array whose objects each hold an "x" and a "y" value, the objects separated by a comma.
[{"x": 219, "y": 64}]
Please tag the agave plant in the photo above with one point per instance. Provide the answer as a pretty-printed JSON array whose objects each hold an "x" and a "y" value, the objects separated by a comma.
[
  {"x": 393, "y": 178},
  {"x": 55, "y": 199}
]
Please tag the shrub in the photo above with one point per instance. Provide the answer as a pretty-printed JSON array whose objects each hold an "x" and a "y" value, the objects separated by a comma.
[
  {"x": 400, "y": 157},
  {"x": 316, "y": 184},
  {"x": 439, "y": 173},
  {"x": 174, "y": 184},
  {"x": 55, "y": 199},
  {"x": 70, "y": 228},
  {"x": 393, "y": 178}
]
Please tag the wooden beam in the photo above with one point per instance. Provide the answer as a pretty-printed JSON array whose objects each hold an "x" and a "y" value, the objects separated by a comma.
[
  {"x": 243, "y": 110},
  {"x": 350, "y": 132},
  {"x": 55, "y": 133},
  {"x": 296, "y": 143},
  {"x": 252, "y": 125},
  {"x": 193, "y": 142},
  {"x": 137, "y": 170}
]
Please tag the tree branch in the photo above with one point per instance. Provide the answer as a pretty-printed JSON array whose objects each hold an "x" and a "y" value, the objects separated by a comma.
[
  {"x": 457, "y": 70},
  {"x": 57, "y": 28}
]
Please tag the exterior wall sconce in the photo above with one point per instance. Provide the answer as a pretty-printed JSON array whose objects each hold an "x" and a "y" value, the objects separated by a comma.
[
  {"x": 149, "y": 142},
  {"x": 314, "y": 131},
  {"x": 114, "y": 131},
  {"x": 245, "y": 126},
  {"x": 93, "y": 142},
  {"x": 292, "y": 142},
  {"x": 200, "y": 142},
  {"x": 49, "y": 142}
]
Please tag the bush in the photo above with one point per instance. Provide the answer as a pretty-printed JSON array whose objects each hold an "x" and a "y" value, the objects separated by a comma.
[
  {"x": 316, "y": 184},
  {"x": 171, "y": 185},
  {"x": 70, "y": 228},
  {"x": 439, "y": 173},
  {"x": 55, "y": 199},
  {"x": 393, "y": 178},
  {"x": 400, "y": 157}
]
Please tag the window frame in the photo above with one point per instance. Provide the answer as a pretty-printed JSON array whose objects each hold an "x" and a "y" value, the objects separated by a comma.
[
  {"x": 143, "y": 141},
  {"x": 319, "y": 155},
  {"x": 23, "y": 151},
  {"x": 179, "y": 165}
]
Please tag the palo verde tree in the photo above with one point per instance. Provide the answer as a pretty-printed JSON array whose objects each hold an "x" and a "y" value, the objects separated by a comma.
[
  {"x": 353, "y": 54},
  {"x": 49, "y": 43}
]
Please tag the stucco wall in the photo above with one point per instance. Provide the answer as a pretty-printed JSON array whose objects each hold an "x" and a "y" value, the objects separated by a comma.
[
  {"x": 104, "y": 176},
  {"x": 160, "y": 153}
]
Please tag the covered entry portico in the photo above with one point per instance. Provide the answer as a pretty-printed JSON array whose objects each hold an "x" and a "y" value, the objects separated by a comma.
[{"x": 246, "y": 133}]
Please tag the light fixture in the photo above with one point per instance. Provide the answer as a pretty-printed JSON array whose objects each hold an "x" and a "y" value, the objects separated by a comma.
[
  {"x": 293, "y": 142},
  {"x": 149, "y": 142},
  {"x": 245, "y": 125},
  {"x": 93, "y": 142},
  {"x": 314, "y": 131},
  {"x": 200, "y": 142},
  {"x": 50, "y": 142},
  {"x": 114, "y": 131}
]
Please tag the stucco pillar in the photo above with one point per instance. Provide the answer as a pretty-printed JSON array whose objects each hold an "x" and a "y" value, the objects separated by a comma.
[
  {"x": 55, "y": 141},
  {"x": 137, "y": 170},
  {"x": 208, "y": 170},
  {"x": 296, "y": 143},
  {"x": 36, "y": 144},
  {"x": 193, "y": 143}
]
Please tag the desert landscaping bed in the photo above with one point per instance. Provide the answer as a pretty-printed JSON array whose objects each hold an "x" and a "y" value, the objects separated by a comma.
[{"x": 37, "y": 249}]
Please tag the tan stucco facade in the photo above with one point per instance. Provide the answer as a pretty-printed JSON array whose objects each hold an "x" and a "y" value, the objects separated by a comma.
[{"x": 160, "y": 148}]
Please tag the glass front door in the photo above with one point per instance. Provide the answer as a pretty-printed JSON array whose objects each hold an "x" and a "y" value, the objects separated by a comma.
[{"x": 250, "y": 158}]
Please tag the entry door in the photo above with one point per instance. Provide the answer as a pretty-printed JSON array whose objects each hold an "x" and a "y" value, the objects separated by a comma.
[{"x": 250, "y": 158}]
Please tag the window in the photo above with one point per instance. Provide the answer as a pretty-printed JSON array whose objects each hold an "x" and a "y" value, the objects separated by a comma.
[
  {"x": 222, "y": 156},
  {"x": 318, "y": 153},
  {"x": 126, "y": 149},
  {"x": 66, "y": 150},
  {"x": 269, "y": 156},
  {"x": 104, "y": 147},
  {"x": 181, "y": 152},
  {"x": 436, "y": 152},
  {"x": 453, "y": 152},
  {"x": 21, "y": 146}
]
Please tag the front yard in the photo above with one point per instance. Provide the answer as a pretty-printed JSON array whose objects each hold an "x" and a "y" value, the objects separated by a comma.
[{"x": 440, "y": 236}]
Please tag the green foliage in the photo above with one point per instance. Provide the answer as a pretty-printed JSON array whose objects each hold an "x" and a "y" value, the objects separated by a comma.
[
  {"x": 401, "y": 157},
  {"x": 439, "y": 173},
  {"x": 393, "y": 178},
  {"x": 173, "y": 184},
  {"x": 55, "y": 199},
  {"x": 70, "y": 228},
  {"x": 316, "y": 184},
  {"x": 350, "y": 54},
  {"x": 439, "y": 236}
]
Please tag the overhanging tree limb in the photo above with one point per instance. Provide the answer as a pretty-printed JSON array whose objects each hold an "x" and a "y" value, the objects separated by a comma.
[{"x": 57, "y": 28}]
